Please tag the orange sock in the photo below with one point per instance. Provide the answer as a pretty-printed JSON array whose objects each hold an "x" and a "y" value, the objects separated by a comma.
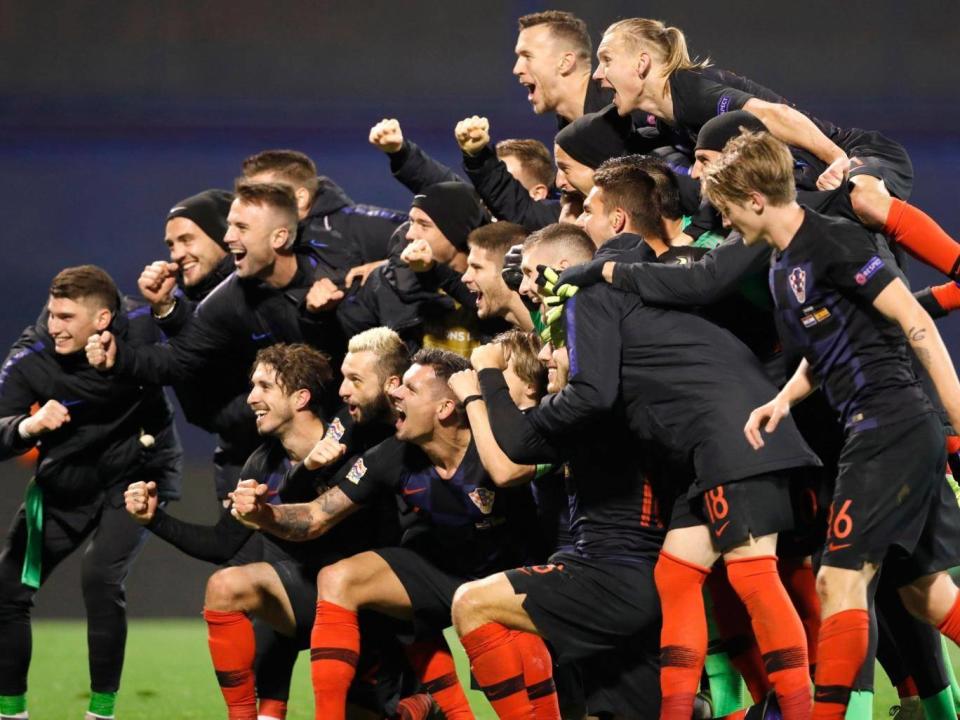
[
  {"x": 273, "y": 708},
  {"x": 434, "y": 666},
  {"x": 734, "y": 625},
  {"x": 918, "y": 233},
  {"x": 907, "y": 688},
  {"x": 498, "y": 668},
  {"x": 334, "y": 651},
  {"x": 778, "y": 630},
  {"x": 801, "y": 584},
  {"x": 950, "y": 627},
  {"x": 844, "y": 639},
  {"x": 538, "y": 675},
  {"x": 683, "y": 638},
  {"x": 948, "y": 295},
  {"x": 232, "y": 648}
]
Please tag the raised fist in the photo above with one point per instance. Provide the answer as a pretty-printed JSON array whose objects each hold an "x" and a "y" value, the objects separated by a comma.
[
  {"x": 157, "y": 283},
  {"x": 324, "y": 453},
  {"x": 488, "y": 356},
  {"x": 386, "y": 135},
  {"x": 473, "y": 134},
  {"x": 101, "y": 350},
  {"x": 418, "y": 255},
  {"x": 249, "y": 502},
  {"x": 141, "y": 501},
  {"x": 51, "y": 416},
  {"x": 464, "y": 383},
  {"x": 324, "y": 295}
]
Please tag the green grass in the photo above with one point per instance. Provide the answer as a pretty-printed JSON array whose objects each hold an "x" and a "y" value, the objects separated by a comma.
[{"x": 168, "y": 675}]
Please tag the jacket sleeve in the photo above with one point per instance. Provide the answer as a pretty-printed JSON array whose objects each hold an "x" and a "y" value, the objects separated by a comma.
[
  {"x": 504, "y": 195},
  {"x": 512, "y": 430},
  {"x": 16, "y": 397},
  {"x": 416, "y": 170},
  {"x": 213, "y": 543},
  {"x": 715, "y": 276},
  {"x": 594, "y": 347},
  {"x": 173, "y": 323},
  {"x": 206, "y": 336}
]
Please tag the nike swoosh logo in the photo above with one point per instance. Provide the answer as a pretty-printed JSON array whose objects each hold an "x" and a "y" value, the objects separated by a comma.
[
  {"x": 260, "y": 336},
  {"x": 833, "y": 547},
  {"x": 70, "y": 403},
  {"x": 722, "y": 528},
  {"x": 414, "y": 491}
]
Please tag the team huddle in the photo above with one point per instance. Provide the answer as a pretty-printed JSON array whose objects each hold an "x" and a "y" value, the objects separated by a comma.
[{"x": 641, "y": 418}]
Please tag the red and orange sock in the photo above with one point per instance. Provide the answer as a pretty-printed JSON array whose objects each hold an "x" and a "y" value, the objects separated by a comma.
[
  {"x": 920, "y": 234},
  {"x": 737, "y": 633},
  {"x": 434, "y": 665},
  {"x": 683, "y": 639},
  {"x": 232, "y": 649},
  {"x": 538, "y": 675},
  {"x": 498, "y": 668},
  {"x": 950, "y": 627},
  {"x": 779, "y": 632},
  {"x": 907, "y": 688},
  {"x": 270, "y": 708},
  {"x": 334, "y": 652},
  {"x": 844, "y": 640},
  {"x": 801, "y": 585}
]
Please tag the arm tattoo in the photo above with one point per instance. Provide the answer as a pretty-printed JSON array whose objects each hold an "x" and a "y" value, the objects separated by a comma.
[
  {"x": 333, "y": 501},
  {"x": 917, "y": 334},
  {"x": 293, "y": 521}
]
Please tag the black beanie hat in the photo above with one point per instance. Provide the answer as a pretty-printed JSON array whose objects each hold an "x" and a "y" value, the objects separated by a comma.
[
  {"x": 596, "y": 137},
  {"x": 208, "y": 210},
  {"x": 717, "y": 131},
  {"x": 455, "y": 208}
]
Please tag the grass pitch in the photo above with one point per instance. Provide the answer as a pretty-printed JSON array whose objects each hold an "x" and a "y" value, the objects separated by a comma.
[{"x": 168, "y": 675}]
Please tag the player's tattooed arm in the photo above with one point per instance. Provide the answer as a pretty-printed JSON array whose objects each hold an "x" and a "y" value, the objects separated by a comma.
[
  {"x": 305, "y": 521},
  {"x": 898, "y": 304}
]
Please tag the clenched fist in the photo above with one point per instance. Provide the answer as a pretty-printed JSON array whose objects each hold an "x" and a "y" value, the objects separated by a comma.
[
  {"x": 101, "y": 350},
  {"x": 51, "y": 416},
  {"x": 157, "y": 283},
  {"x": 473, "y": 134},
  {"x": 386, "y": 135},
  {"x": 464, "y": 384},
  {"x": 141, "y": 501},
  {"x": 249, "y": 502},
  {"x": 324, "y": 453},
  {"x": 418, "y": 255}
]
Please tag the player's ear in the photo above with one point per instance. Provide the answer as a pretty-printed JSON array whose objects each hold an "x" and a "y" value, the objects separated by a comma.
[
  {"x": 301, "y": 399},
  {"x": 618, "y": 220},
  {"x": 303, "y": 200},
  {"x": 757, "y": 202},
  {"x": 568, "y": 61},
  {"x": 446, "y": 408},
  {"x": 392, "y": 383},
  {"x": 280, "y": 238},
  {"x": 539, "y": 192},
  {"x": 643, "y": 65},
  {"x": 101, "y": 321}
]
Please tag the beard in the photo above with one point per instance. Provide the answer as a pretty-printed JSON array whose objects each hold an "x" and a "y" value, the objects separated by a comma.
[{"x": 378, "y": 410}]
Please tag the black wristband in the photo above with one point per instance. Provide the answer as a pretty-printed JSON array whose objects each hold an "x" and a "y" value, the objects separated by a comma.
[{"x": 470, "y": 398}]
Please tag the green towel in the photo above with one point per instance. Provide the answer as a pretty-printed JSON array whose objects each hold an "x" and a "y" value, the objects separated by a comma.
[{"x": 33, "y": 508}]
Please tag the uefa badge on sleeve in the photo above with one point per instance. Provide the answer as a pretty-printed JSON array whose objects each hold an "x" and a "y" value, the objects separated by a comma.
[
  {"x": 357, "y": 471},
  {"x": 798, "y": 283}
]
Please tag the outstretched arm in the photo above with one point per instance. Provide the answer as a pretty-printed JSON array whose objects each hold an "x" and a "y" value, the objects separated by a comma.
[{"x": 298, "y": 522}]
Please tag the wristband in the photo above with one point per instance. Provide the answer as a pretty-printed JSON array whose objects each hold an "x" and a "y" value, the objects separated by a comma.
[
  {"x": 168, "y": 312},
  {"x": 470, "y": 398}
]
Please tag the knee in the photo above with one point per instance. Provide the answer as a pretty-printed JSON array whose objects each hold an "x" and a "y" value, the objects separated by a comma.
[
  {"x": 335, "y": 583},
  {"x": 930, "y": 598},
  {"x": 469, "y": 603},
  {"x": 225, "y": 590},
  {"x": 870, "y": 201},
  {"x": 99, "y": 584}
]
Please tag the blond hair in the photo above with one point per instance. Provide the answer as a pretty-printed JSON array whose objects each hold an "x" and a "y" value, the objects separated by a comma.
[
  {"x": 751, "y": 162},
  {"x": 393, "y": 358},
  {"x": 669, "y": 44}
]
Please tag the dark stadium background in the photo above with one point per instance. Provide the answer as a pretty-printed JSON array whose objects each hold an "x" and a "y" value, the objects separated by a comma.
[{"x": 112, "y": 111}]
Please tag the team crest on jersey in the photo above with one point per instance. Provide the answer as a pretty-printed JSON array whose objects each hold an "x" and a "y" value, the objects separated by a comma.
[
  {"x": 483, "y": 499},
  {"x": 357, "y": 471},
  {"x": 336, "y": 429},
  {"x": 798, "y": 283}
]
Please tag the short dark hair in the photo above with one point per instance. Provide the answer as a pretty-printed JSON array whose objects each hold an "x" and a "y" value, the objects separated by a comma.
[
  {"x": 524, "y": 347},
  {"x": 533, "y": 156},
  {"x": 292, "y": 166},
  {"x": 300, "y": 367},
  {"x": 563, "y": 25},
  {"x": 668, "y": 187},
  {"x": 443, "y": 362},
  {"x": 275, "y": 195},
  {"x": 86, "y": 281},
  {"x": 497, "y": 238},
  {"x": 627, "y": 186},
  {"x": 570, "y": 237}
]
